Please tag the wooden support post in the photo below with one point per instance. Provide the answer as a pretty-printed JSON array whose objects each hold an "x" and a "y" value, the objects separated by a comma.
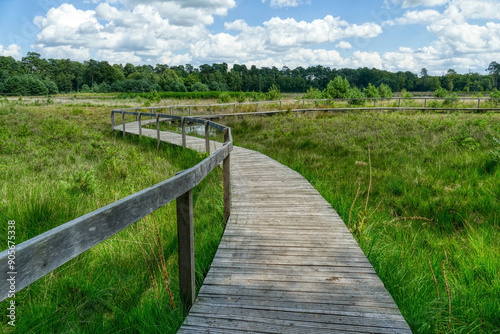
[
  {"x": 171, "y": 111},
  {"x": 112, "y": 121},
  {"x": 158, "y": 131},
  {"x": 303, "y": 104},
  {"x": 123, "y": 122},
  {"x": 207, "y": 137},
  {"x": 210, "y": 109},
  {"x": 280, "y": 104},
  {"x": 326, "y": 103},
  {"x": 425, "y": 103},
  {"x": 451, "y": 105},
  {"x": 257, "y": 106},
  {"x": 226, "y": 180},
  {"x": 183, "y": 127},
  {"x": 234, "y": 108},
  {"x": 350, "y": 103},
  {"x": 185, "y": 237},
  {"x": 189, "y": 110},
  {"x": 374, "y": 100},
  {"x": 139, "y": 116},
  {"x": 399, "y": 103},
  {"x": 478, "y": 102}
]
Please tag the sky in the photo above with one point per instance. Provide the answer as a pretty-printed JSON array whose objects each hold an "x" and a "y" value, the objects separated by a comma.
[{"x": 393, "y": 35}]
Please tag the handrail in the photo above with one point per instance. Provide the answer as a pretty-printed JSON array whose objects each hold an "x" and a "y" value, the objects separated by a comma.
[
  {"x": 44, "y": 253},
  {"x": 209, "y": 109}
]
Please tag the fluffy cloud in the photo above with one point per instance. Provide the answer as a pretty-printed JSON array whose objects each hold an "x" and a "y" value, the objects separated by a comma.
[
  {"x": 13, "y": 50},
  {"x": 285, "y": 3},
  {"x": 415, "y": 3},
  {"x": 134, "y": 36},
  {"x": 278, "y": 36}
]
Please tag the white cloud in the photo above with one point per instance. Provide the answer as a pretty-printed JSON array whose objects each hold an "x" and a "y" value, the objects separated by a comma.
[
  {"x": 416, "y": 17},
  {"x": 415, "y": 3},
  {"x": 344, "y": 45},
  {"x": 13, "y": 50},
  {"x": 285, "y": 3}
]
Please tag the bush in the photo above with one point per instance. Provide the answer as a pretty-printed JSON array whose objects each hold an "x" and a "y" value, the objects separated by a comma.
[
  {"x": 371, "y": 91},
  {"x": 440, "y": 92},
  {"x": 338, "y": 88},
  {"x": 357, "y": 96},
  {"x": 385, "y": 91},
  {"x": 224, "y": 97},
  {"x": 26, "y": 85},
  {"x": 273, "y": 94},
  {"x": 199, "y": 87},
  {"x": 241, "y": 97},
  {"x": 313, "y": 94}
]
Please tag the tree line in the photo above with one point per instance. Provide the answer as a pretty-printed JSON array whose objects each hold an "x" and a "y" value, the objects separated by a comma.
[{"x": 33, "y": 75}]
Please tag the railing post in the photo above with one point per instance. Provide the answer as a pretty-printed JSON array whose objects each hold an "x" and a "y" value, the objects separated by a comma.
[
  {"x": 303, "y": 104},
  {"x": 207, "y": 137},
  {"x": 326, "y": 104},
  {"x": 425, "y": 103},
  {"x": 185, "y": 237},
  {"x": 189, "y": 108},
  {"x": 136, "y": 115},
  {"x": 171, "y": 111},
  {"x": 183, "y": 127},
  {"x": 478, "y": 102},
  {"x": 123, "y": 122},
  {"x": 139, "y": 116},
  {"x": 234, "y": 108},
  {"x": 210, "y": 109},
  {"x": 280, "y": 104},
  {"x": 451, "y": 105},
  {"x": 113, "y": 120},
  {"x": 257, "y": 107},
  {"x": 399, "y": 103},
  {"x": 226, "y": 179},
  {"x": 374, "y": 100},
  {"x": 158, "y": 131},
  {"x": 350, "y": 103}
]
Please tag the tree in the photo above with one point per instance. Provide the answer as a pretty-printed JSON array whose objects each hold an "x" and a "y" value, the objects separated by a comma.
[
  {"x": 338, "y": 88},
  {"x": 371, "y": 91},
  {"x": 494, "y": 70}
]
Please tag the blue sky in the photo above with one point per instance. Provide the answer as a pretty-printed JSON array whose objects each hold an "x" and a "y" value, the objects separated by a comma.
[{"x": 395, "y": 35}]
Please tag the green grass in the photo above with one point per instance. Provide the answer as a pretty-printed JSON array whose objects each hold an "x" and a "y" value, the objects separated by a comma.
[
  {"x": 429, "y": 223},
  {"x": 58, "y": 162}
]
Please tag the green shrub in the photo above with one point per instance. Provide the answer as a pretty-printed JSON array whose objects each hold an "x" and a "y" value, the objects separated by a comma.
[
  {"x": 338, "y": 88},
  {"x": 273, "y": 94},
  {"x": 224, "y": 97},
  {"x": 385, "y": 91},
  {"x": 440, "y": 92},
  {"x": 371, "y": 91}
]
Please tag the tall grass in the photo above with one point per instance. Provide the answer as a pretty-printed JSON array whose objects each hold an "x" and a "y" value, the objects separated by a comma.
[
  {"x": 59, "y": 162},
  {"x": 421, "y": 193}
]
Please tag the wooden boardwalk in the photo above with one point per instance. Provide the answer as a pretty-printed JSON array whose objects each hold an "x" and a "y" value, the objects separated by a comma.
[{"x": 287, "y": 263}]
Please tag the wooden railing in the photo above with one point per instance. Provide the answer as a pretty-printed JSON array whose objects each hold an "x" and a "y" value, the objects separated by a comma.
[
  {"x": 44, "y": 253},
  {"x": 393, "y": 103}
]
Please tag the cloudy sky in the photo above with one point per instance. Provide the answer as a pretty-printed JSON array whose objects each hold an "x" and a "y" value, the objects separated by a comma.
[{"x": 392, "y": 35}]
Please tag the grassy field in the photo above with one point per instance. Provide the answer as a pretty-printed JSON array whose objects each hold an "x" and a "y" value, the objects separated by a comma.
[
  {"x": 421, "y": 194},
  {"x": 60, "y": 160}
]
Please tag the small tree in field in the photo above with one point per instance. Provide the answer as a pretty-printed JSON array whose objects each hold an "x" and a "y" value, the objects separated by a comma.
[
  {"x": 371, "y": 91},
  {"x": 385, "y": 91},
  {"x": 338, "y": 88},
  {"x": 274, "y": 93}
]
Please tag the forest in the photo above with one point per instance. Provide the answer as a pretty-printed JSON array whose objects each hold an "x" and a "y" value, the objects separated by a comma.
[{"x": 33, "y": 75}]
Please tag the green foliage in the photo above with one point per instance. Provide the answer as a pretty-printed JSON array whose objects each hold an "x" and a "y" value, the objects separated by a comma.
[
  {"x": 385, "y": 91},
  {"x": 440, "y": 92},
  {"x": 371, "y": 91},
  {"x": 273, "y": 94},
  {"x": 338, "y": 88},
  {"x": 357, "y": 96},
  {"x": 313, "y": 94},
  {"x": 199, "y": 87},
  {"x": 404, "y": 93},
  {"x": 224, "y": 97}
]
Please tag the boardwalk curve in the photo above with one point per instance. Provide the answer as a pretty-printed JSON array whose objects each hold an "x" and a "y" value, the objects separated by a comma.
[{"x": 286, "y": 263}]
